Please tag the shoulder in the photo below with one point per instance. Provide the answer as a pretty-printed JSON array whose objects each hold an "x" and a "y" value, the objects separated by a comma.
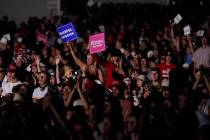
[{"x": 37, "y": 89}]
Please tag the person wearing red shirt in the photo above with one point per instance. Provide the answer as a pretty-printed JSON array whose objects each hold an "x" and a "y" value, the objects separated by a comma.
[
  {"x": 166, "y": 67},
  {"x": 114, "y": 69}
]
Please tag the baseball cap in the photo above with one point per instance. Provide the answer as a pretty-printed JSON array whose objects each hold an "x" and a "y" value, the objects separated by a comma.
[{"x": 141, "y": 77}]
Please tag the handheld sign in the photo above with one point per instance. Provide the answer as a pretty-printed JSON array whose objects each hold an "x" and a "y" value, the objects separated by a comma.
[
  {"x": 42, "y": 37},
  {"x": 186, "y": 30},
  {"x": 7, "y": 36},
  {"x": 177, "y": 19},
  {"x": 200, "y": 33},
  {"x": 90, "y": 3},
  {"x": 97, "y": 43},
  {"x": 67, "y": 32}
]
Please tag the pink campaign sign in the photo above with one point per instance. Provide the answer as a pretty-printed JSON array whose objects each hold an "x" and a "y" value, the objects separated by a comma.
[
  {"x": 97, "y": 43},
  {"x": 43, "y": 38}
]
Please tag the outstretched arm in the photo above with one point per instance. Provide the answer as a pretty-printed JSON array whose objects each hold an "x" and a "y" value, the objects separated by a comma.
[
  {"x": 57, "y": 116},
  {"x": 82, "y": 96},
  {"x": 100, "y": 75},
  {"x": 79, "y": 62},
  {"x": 190, "y": 43},
  {"x": 57, "y": 61},
  {"x": 38, "y": 64},
  {"x": 69, "y": 100}
]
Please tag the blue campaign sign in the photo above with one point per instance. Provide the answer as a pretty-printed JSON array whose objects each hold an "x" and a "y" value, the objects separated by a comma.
[{"x": 67, "y": 32}]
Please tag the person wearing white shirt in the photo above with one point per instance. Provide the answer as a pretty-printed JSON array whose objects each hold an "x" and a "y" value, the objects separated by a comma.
[
  {"x": 9, "y": 81},
  {"x": 42, "y": 90},
  {"x": 39, "y": 93}
]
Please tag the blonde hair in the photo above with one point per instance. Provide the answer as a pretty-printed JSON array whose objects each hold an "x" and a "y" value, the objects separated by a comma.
[{"x": 66, "y": 68}]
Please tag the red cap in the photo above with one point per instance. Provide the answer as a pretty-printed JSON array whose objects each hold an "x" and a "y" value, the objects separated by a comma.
[
  {"x": 115, "y": 84},
  {"x": 12, "y": 68}
]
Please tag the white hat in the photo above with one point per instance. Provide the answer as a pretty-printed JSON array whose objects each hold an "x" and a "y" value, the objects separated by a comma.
[
  {"x": 141, "y": 77},
  {"x": 127, "y": 81},
  {"x": 150, "y": 53},
  {"x": 133, "y": 53}
]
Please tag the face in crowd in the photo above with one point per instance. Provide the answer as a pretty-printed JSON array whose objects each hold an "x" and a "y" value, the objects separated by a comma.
[
  {"x": 66, "y": 91},
  {"x": 89, "y": 59},
  {"x": 68, "y": 72},
  {"x": 204, "y": 41},
  {"x": 11, "y": 75},
  {"x": 168, "y": 58},
  {"x": 52, "y": 79},
  {"x": 34, "y": 69},
  {"x": 42, "y": 79},
  {"x": 140, "y": 82},
  {"x": 154, "y": 75}
]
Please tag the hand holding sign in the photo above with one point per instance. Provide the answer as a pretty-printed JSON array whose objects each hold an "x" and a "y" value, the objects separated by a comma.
[
  {"x": 67, "y": 32},
  {"x": 69, "y": 45},
  {"x": 177, "y": 19},
  {"x": 186, "y": 30}
]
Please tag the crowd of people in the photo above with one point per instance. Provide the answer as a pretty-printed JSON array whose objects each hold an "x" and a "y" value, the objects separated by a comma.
[{"x": 151, "y": 82}]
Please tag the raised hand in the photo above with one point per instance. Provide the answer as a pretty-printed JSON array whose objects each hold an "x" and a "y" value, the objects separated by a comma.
[
  {"x": 69, "y": 45},
  {"x": 38, "y": 60},
  {"x": 57, "y": 60}
]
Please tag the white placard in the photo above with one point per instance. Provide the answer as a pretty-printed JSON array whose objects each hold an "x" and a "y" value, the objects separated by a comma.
[
  {"x": 7, "y": 36},
  {"x": 186, "y": 30},
  {"x": 200, "y": 33},
  {"x": 90, "y": 3},
  {"x": 177, "y": 19}
]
